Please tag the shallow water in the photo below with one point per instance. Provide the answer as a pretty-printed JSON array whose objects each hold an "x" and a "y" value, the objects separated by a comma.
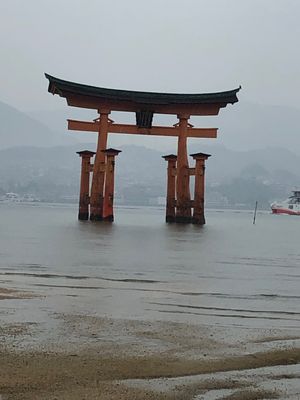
[{"x": 229, "y": 272}]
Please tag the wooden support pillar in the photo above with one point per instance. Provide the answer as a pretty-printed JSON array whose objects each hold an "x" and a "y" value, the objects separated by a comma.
[
  {"x": 84, "y": 198},
  {"x": 171, "y": 188},
  {"x": 97, "y": 190},
  {"x": 198, "y": 215},
  {"x": 108, "y": 206},
  {"x": 183, "y": 206}
]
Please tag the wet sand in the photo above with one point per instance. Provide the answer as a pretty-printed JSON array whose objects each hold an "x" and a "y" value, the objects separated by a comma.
[
  {"x": 6, "y": 294},
  {"x": 89, "y": 357}
]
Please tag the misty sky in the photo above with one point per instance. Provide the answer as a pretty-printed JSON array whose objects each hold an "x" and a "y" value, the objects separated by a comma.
[{"x": 158, "y": 45}]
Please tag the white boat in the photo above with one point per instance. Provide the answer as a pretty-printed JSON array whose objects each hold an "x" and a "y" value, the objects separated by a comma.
[
  {"x": 289, "y": 206},
  {"x": 10, "y": 197}
]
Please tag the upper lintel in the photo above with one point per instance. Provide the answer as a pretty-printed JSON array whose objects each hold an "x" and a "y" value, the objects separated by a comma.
[{"x": 80, "y": 95}]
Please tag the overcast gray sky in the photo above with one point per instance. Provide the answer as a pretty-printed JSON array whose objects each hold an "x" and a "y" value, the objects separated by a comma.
[{"x": 157, "y": 45}]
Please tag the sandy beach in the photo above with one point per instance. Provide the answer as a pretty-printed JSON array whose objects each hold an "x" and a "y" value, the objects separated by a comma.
[{"x": 89, "y": 357}]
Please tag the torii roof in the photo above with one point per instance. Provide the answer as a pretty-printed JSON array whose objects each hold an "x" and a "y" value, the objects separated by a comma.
[{"x": 86, "y": 96}]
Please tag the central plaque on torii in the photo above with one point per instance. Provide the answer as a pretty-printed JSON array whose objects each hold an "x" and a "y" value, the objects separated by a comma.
[{"x": 97, "y": 203}]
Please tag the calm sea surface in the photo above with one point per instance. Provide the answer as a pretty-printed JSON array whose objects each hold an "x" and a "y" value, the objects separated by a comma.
[{"x": 230, "y": 272}]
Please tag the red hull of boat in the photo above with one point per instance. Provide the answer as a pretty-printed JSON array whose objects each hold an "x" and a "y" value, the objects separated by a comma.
[{"x": 284, "y": 211}]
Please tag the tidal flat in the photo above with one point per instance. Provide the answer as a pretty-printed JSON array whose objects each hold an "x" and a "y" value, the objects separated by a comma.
[{"x": 102, "y": 358}]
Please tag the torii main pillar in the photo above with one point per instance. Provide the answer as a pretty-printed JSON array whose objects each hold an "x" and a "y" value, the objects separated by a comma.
[
  {"x": 183, "y": 206},
  {"x": 97, "y": 190}
]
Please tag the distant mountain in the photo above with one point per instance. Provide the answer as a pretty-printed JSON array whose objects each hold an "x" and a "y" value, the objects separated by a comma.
[
  {"x": 135, "y": 164},
  {"x": 18, "y": 129},
  {"x": 226, "y": 164},
  {"x": 53, "y": 174},
  {"x": 138, "y": 164}
]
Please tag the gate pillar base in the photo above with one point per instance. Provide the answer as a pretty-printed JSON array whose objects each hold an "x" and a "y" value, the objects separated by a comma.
[
  {"x": 183, "y": 220},
  {"x": 170, "y": 219},
  {"x": 199, "y": 220},
  {"x": 96, "y": 217},
  {"x": 109, "y": 218},
  {"x": 83, "y": 216}
]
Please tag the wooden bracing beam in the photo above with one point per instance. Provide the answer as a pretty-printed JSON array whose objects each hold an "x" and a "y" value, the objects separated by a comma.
[{"x": 87, "y": 126}]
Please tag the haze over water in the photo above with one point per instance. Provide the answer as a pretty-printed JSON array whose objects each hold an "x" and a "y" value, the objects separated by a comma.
[{"x": 230, "y": 272}]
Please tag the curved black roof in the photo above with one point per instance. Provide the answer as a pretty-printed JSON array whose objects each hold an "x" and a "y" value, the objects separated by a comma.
[{"x": 62, "y": 88}]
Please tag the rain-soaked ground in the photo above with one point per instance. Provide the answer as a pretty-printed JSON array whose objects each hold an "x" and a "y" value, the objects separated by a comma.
[{"x": 202, "y": 313}]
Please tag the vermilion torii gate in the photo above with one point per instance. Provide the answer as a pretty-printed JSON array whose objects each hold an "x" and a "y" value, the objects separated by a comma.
[{"x": 144, "y": 104}]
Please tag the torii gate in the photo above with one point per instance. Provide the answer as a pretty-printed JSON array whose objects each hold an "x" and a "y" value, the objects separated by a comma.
[{"x": 144, "y": 104}]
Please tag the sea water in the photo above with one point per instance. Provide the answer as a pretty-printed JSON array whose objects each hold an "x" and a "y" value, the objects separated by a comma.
[{"x": 228, "y": 272}]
